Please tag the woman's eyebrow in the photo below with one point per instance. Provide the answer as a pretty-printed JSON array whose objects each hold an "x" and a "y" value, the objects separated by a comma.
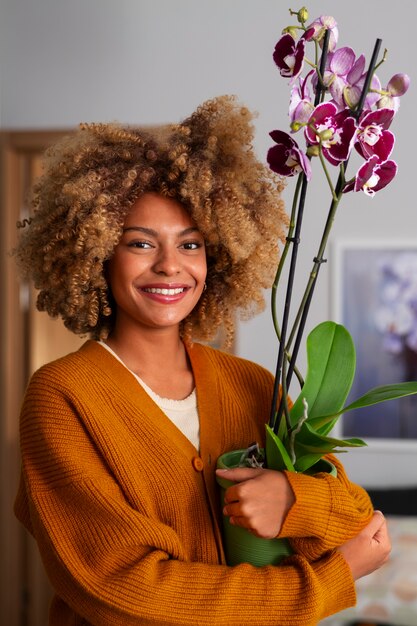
[{"x": 153, "y": 233}]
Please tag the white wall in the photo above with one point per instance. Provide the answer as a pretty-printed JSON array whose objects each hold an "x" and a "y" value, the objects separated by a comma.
[{"x": 151, "y": 61}]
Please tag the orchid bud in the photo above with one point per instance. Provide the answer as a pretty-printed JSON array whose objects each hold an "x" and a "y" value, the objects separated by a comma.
[
  {"x": 295, "y": 126},
  {"x": 313, "y": 151},
  {"x": 302, "y": 15},
  {"x": 398, "y": 84},
  {"x": 291, "y": 30}
]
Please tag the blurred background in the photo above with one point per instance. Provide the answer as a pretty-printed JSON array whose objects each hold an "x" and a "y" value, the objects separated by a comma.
[{"x": 150, "y": 62}]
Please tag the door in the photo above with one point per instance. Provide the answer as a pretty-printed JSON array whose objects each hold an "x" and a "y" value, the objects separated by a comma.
[{"x": 28, "y": 339}]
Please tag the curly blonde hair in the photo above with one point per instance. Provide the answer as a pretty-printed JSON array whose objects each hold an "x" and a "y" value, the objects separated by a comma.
[{"x": 92, "y": 178}]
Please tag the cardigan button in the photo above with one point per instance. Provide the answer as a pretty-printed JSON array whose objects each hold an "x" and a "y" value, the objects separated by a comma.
[{"x": 198, "y": 464}]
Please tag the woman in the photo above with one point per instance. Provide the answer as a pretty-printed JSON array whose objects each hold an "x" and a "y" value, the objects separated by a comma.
[{"x": 147, "y": 240}]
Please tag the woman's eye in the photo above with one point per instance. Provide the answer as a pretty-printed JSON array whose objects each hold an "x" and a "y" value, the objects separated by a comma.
[
  {"x": 141, "y": 245},
  {"x": 192, "y": 245}
]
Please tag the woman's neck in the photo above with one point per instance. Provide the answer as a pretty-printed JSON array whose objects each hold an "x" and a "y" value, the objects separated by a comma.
[{"x": 158, "y": 357}]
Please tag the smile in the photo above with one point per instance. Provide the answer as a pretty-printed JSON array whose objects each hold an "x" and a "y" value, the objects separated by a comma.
[{"x": 165, "y": 292}]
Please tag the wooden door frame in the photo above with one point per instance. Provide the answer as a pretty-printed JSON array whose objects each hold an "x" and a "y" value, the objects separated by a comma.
[{"x": 16, "y": 149}]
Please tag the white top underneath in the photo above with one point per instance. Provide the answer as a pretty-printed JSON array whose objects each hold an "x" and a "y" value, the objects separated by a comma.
[{"x": 183, "y": 413}]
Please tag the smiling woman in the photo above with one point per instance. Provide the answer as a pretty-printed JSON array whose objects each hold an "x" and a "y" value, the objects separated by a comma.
[
  {"x": 148, "y": 240},
  {"x": 156, "y": 277},
  {"x": 159, "y": 265}
]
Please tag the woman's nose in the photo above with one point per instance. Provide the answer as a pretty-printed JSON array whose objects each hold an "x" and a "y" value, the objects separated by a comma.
[{"x": 167, "y": 262}]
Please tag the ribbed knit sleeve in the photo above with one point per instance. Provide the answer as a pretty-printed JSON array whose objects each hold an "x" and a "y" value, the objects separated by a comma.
[
  {"x": 123, "y": 522},
  {"x": 327, "y": 512}
]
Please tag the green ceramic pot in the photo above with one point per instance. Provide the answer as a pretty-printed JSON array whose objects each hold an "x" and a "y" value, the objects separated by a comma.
[{"x": 241, "y": 546}]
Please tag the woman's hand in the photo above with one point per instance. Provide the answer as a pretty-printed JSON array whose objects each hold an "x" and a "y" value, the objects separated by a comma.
[
  {"x": 259, "y": 501},
  {"x": 369, "y": 549}
]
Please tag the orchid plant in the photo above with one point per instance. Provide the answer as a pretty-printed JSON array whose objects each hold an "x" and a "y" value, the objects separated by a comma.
[{"x": 338, "y": 108}]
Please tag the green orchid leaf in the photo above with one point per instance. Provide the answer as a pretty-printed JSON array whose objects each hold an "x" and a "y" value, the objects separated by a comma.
[
  {"x": 329, "y": 446},
  {"x": 308, "y": 438},
  {"x": 277, "y": 457},
  {"x": 307, "y": 460},
  {"x": 331, "y": 367},
  {"x": 311, "y": 445},
  {"x": 382, "y": 394},
  {"x": 374, "y": 396}
]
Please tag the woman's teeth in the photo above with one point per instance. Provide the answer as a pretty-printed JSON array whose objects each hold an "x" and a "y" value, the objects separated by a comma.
[{"x": 165, "y": 292}]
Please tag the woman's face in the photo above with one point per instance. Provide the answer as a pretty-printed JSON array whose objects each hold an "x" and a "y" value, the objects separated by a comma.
[{"x": 158, "y": 268}]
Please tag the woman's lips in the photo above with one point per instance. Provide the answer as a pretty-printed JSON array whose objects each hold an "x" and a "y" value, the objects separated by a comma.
[{"x": 165, "y": 293}]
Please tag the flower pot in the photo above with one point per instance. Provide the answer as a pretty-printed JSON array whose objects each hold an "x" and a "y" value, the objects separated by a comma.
[{"x": 240, "y": 545}]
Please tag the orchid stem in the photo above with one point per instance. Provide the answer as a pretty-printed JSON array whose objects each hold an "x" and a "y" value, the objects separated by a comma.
[
  {"x": 326, "y": 172},
  {"x": 279, "y": 272},
  {"x": 288, "y": 297}
]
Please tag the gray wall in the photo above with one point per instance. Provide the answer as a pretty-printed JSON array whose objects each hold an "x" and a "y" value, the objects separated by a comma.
[{"x": 151, "y": 61}]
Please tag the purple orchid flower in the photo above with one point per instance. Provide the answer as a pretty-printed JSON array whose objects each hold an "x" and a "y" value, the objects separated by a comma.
[
  {"x": 289, "y": 56},
  {"x": 397, "y": 86},
  {"x": 334, "y": 130},
  {"x": 345, "y": 78},
  {"x": 373, "y": 176},
  {"x": 286, "y": 158},
  {"x": 317, "y": 30},
  {"x": 301, "y": 105},
  {"x": 373, "y": 136}
]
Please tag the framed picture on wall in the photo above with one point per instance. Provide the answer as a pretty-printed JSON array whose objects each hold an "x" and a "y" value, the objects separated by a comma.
[{"x": 374, "y": 295}]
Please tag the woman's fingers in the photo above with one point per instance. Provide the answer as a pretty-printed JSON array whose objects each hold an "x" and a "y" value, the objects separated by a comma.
[
  {"x": 369, "y": 549},
  {"x": 259, "y": 500}
]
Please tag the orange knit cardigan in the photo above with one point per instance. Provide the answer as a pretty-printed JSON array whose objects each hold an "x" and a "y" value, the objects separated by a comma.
[{"x": 125, "y": 510}]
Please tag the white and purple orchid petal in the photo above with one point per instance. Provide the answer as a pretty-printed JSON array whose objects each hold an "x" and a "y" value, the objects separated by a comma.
[
  {"x": 328, "y": 78},
  {"x": 334, "y": 36},
  {"x": 282, "y": 138},
  {"x": 342, "y": 61},
  {"x": 398, "y": 84},
  {"x": 308, "y": 35},
  {"x": 344, "y": 136},
  {"x": 357, "y": 70},
  {"x": 305, "y": 164},
  {"x": 373, "y": 138},
  {"x": 286, "y": 158},
  {"x": 300, "y": 103},
  {"x": 374, "y": 175},
  {"x": 372, "y": 96},
  {"x": 385, "y": 145},
  {"x": 381, "y": 118},
  {"x": 302, "y": 112},
  {"x": 386, "y": 171},
  {"x": 289, "y": 56},
  {"x": 351, "y": 95},
  {"x": 388, "y": 102},
  {"x": 321, "y": 119},
  {"x": 277, "y": 157},
  {"x": 374, "y": 141},
  {"x": 336, "y": 87},
  {"x": 320, "y": 25},
  {"x": 304, "y": 89},
  {"x": 295, "y": 99},
  {"x": 365, "y": 172},
  {"x": 328, "y": 21}
]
